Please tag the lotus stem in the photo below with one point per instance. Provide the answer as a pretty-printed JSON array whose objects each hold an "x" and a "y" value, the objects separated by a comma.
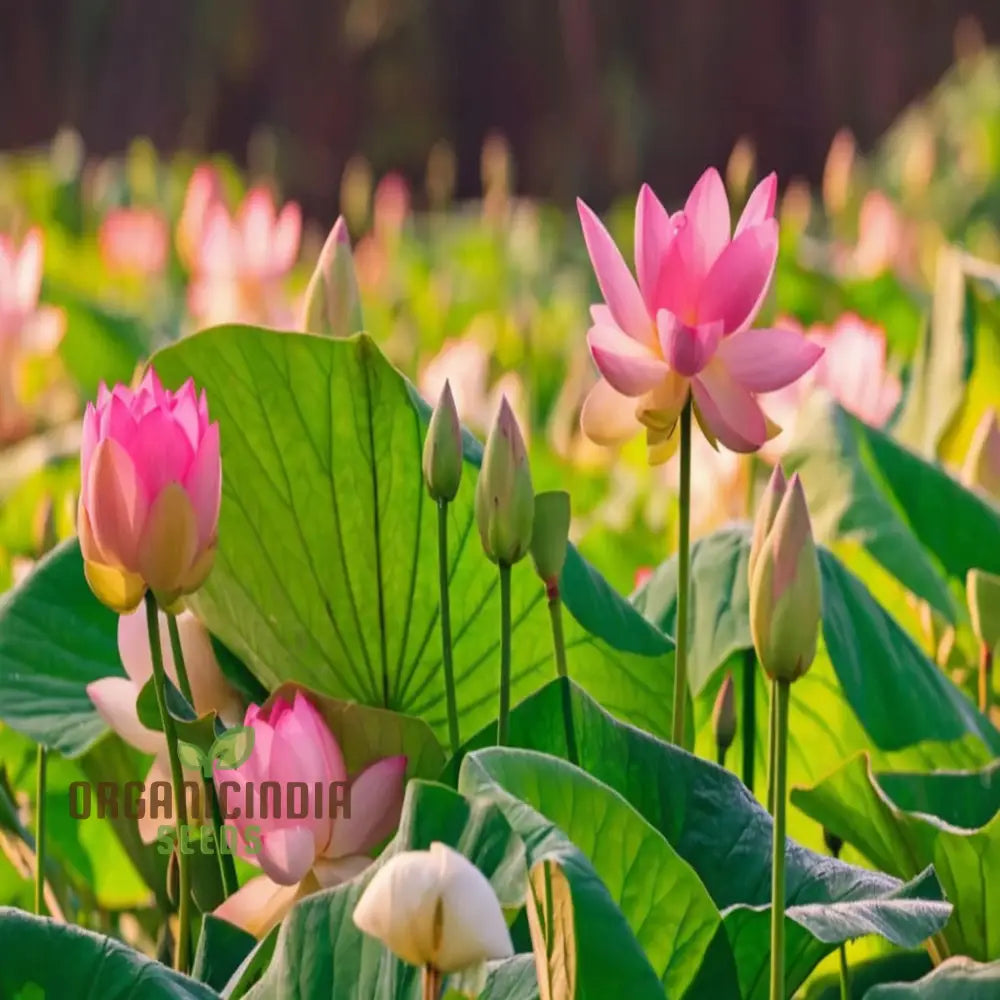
[
  {"x": 179, "y": 664},
  {"x": 782, "y": 689},
  {"x": 555, "y": 616},
  {"x": 845, "y": 974},
  {"x": 771, "y": 744},
  {"x": 446, "y": 659},
  {"x": 503, "y": 722},
  {"x": 40, "y": 830},
  {"x": 431, "y": 982},
  {"x": 748, "y": 721},
  {"x": 683, "y": 572}
]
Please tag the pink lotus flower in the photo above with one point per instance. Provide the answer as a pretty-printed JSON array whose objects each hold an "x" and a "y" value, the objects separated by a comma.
[
  {"x": 26, "y": 328},
  {"x": 204, "y": 192},
  {"x": 292, "y": 743},
  {"x": 134, "y": 241},
  {"x": 151, "y": 488},
  {"x": 684, "y": 327},
  {"x": 240, "y": 261},
  {"x": 114, "y": 697}
]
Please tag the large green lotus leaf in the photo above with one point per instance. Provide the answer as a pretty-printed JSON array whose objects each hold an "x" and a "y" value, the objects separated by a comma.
[
  {"x": 910, "y": 514},
  {"x": 48, "y": 959},
  {"x": 559, "y": 810},
  {"x": 327, "y": 563},
  {"x": 958, "y": 978},
  {"x": 321, "y": 955},
  {"x": 713, "y": 823},
  {"x": 902, "y": 822}
]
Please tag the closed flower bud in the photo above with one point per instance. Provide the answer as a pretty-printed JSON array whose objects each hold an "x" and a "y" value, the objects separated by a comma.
[
  {"x": 434, "y": 908},
  {"x": 550, "y": 535},
  {"x": 983, "y": 592},
  {"x": 724, "y": 716},
  {"x": 982, "y": 463},
  {"x": 505, "y": 500},
  {"x": 151, "y": 483},
  {"x": 785, "y": 600},
  {"x": 443, "y": 449},
  {"x": 767, "y": 510},
  {"x": 333, "y": 305}
]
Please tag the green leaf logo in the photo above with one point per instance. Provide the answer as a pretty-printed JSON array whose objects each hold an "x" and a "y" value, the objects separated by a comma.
[
  {"x": 193, "y": 758},
  {"x": 234, "y": 747}
]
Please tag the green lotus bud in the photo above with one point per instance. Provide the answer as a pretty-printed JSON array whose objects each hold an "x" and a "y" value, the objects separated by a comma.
[
  {"x": 333, "y": 305},
  {"x": 767, "y": 510},
  {"x": 505, "y": 500},
  {"x": 785, "y": 599},
  {"x": 982, "y": 463},
  {"x": 550, "y": 535},
  {"x": 983, "y": 592},
  {"x": 724, "y": 717},
  {"x": 443, "y": 449}
]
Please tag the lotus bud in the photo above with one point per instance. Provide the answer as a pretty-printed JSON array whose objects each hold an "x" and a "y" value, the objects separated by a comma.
[
  {"x": 785, "y": 600},
  {"x": 982, "y": 463},
  {"x": 505, "y": 500},
  {"x": 724, "y": 717},
  {"x": 434, "y": 909},
  {"x": 767, "y": 510},
  {"x": 443, "y": 449},
  {"x": 550, "y": 535},
  {"x": 333, "y": 305},
  {"x": 983, "y": 592}
]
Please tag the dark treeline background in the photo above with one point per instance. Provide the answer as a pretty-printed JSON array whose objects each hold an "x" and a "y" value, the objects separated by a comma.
[{"x": 593, "y": 95}]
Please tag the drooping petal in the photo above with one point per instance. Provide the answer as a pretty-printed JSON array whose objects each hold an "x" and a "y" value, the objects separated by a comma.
[
  {"x": 287, "y": 854},
  {"x": 660, "y": 408},
  {"x": 204, "y": 485},
  {"x": 116, "y": 502},
  {"x": 629, "y": 367},
  {"x": 687, "y": 349},
  {"x": 258, "y": 906},
  {"x": 376, "y": 802},
  {"x": 653, "y": 234},
  {"x": 620, "y": 291},
  {"x": 608, "y": 417},
  {"x": 763, "y": 360},
  {"x": 760, "y": 204},
  {"x": 114, "y": 698},
  {"x": 731, "y": 413},
  {"x": 736, "y": 285},
  {"x": 706, "y": 228}
]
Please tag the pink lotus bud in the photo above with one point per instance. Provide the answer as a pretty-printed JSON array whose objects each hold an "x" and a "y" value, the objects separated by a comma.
[
  {"x": 332, "y": 305},
  {"x": 785, "y": 599},
  {"x": 505, "y": 499},
  {"x": 151, "y": 487},
  {"x": 767, "y": 511},
  {"x": 982, "y": 463},
  {"x": 204, "y": 192},
  {"x": 333, "y": 822},
  {"x": 442, "y": 459}
]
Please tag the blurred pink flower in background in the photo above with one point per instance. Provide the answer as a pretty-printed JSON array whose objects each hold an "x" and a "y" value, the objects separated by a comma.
[
  {"x": 204, "y": 192},
  {"x": 390, "y": 210},
  {"x": 685, "y": 326},
  {"x": 134, "y": 241},
  {"x": 293, "y": 744},
  {"x": 886, "y": 240},
  {"x": 27, "y": 329},
  {"x": 240, "y": 262},
  {"x": 853, "y": 370},
  {"x": 114, "y": 697}
]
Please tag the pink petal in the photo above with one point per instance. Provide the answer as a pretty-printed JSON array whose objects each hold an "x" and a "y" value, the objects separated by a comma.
[
  {"x": 256, "y": 222},
  {"x": 204, "y": 485},
  {"x": 149, "y": 825},
  {"x": 133, "y": 646},
  {"x": 28, "y": 271},
  {"x": 653, "y": 234},
  {"x": 376, "y": 802},
  {"x": 117, "y": 422},
  {"x": 617, "y": 284},
  {"x": 335, "y": 871},
  {"x": 116, "y": 502},
  {"x": 287, "y": 234},
  {"x": 760, "y": 204},
  {"x": 161, "y": 451},
  {"x": 185, "y": 412},
  {"x": 730, "y": 412},
  {"x": 114, "y": 698},
  {"x": 334, "y": 768},
  {"x": 608, "y": 417},
  {"x": 625, "y": 363},
  {"x": 257, "y": 906},
  {"x": 687, "y": 349},
  {"x": 677, "y": 288},
  {"x": 763, "y": 360},
  {"x": 601, "y": 315},
  {"x": 737, "y": 283},
  {"x": 89, "y": 439},
  {"x": 286, "y": 855},
  {"x": 706, "y": 229}
]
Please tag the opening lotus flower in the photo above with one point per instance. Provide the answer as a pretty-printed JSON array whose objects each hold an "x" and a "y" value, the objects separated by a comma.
[
  {"x": 134, "y": 241},
  {"x": 683, "y": 329},
  {"x": 292, "y": 743}
]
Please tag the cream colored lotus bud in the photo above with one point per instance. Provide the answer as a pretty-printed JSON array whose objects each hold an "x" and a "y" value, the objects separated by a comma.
[
  {"x": 332, "y": 303},
  {"x": 767, "y": 510},
  {"x": 434, "y": 908}
]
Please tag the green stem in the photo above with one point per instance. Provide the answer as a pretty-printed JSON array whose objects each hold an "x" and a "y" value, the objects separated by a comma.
[
  {"x": 683, "y": 572},
  {"x": 430, "y": 983},
  {"x": 503, "y": 722},
  {"x": 449, "y": 670},
  {"x": 179, "y": 665},
  {"x": 845, "y": 975},
  {"x": 177, "y": 778},
  {"x": 40, "y": 831},
  {"x": 555, "y": 616},
  {"x": 748, "y": 721},
  {"x": 781, "y": 693},
  {"x": 771, "y": 743},
  {"x": 985, "y": 679}
]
